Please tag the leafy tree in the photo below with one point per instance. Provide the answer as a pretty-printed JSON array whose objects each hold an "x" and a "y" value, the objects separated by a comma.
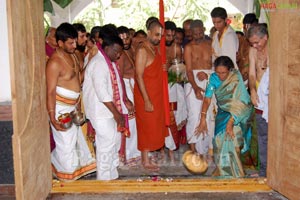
[
  {"x": 135, "y": 13},
  {"x": 178, "y": 11},
  {"x": 93, "y": 15}
]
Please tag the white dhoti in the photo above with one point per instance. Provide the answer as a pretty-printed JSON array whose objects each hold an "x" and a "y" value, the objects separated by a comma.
[
  {"x": 71, "y": 158},
  {"x": 108, "y": 142},
  {"x": 204, "y": 142},
  {"x": 132, "y": 152},
  {"x": 169, "y": 140},
  {"x": 181, "y": 113}
]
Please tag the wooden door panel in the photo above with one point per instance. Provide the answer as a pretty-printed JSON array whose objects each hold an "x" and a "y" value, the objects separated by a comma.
[
  {"x": 284, "y": 101},
  {"x": 31, "y": 149}
]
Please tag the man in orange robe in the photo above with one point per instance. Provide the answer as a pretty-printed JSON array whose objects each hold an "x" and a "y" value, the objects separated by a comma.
[{"x": 148, "y": 95}]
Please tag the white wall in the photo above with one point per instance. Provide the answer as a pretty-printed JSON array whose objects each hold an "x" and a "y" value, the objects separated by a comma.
[{"x": 5, "y": 88}]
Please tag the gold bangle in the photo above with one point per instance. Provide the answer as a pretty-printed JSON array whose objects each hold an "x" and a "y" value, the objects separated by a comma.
[
  {"x": 204, "y": 113},
  {"x": 50, "y": 111}
]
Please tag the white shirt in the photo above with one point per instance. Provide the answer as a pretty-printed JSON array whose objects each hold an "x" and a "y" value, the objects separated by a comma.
[
  {"x": 228, "y": 47},
  {"x": 97, "y": 88}
]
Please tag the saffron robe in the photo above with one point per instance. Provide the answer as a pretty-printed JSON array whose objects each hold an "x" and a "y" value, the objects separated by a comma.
[{"x": 151, "y": 126}]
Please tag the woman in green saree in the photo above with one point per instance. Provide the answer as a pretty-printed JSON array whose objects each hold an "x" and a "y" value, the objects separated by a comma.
[{"x": 234, "y": 110}]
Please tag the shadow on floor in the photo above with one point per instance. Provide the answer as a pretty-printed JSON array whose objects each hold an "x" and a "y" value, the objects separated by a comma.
[
  {"x": 171, "y": 196},
  {"x": 6, "y": 155}
]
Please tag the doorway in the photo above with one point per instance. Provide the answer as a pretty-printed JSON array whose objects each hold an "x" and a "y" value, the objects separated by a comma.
[{"x": 31, "y": 139}]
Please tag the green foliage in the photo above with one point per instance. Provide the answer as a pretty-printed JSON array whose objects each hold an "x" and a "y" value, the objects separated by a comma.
[
  {"x": 237, "y": 22},
  {"x": 48, "y": 6},
  {"x": 257, "y": 6},
  {"x": 63, "y": 3},
  {"x": 46, "y": 24},
  {"x": 92, "y": 16},
  {"x": 172, "y": 78},
  {"x": 176, "y": 11},
  {"x": 195, "y": 10},
  {"x": 135, "y": 13}
]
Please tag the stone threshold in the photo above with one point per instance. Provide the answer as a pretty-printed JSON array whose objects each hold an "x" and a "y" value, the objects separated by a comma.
[{"x": 149, "y": 186}]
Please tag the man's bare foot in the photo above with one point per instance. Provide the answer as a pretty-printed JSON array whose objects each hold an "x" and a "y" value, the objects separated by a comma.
[
  {"x": 172, "y": 158},
  {"x": 150, "y": 167},
  {"x": 153, "y": 159},
  {"x": 162, "y": 154},
  {"x": 172, "y": 162}
]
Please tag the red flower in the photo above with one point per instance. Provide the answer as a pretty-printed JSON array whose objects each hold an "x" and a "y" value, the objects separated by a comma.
[{"x": 228, "y": 21}]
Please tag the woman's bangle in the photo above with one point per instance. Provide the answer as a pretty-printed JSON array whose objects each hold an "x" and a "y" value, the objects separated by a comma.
[
  {"x": 231, "y": 119},
  {"x": 204, "y": 113}
]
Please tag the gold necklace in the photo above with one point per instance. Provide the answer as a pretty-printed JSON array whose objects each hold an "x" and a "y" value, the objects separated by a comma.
[{"x": 72, "y": 66}]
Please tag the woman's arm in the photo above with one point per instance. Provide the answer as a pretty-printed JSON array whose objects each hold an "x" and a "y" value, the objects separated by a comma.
[
  {"x": 229, "y": 127},
  {"x": 202, "y": 127}
]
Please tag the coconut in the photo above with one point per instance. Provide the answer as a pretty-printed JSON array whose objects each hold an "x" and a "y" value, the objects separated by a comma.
[{"x": 194, "y": 162}]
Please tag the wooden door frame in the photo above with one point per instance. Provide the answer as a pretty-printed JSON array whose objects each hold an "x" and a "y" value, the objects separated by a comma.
[{"x": 18, "y": 15}]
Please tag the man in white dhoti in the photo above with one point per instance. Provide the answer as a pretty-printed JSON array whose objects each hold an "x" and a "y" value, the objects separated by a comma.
[
  {"x": 198, "y": 60},
  {"x": 225, "y": 41},
  {"x": 71, "y": 157},
  {"x": 126, "y": 63},
  {"x": 104, "y": 105}
]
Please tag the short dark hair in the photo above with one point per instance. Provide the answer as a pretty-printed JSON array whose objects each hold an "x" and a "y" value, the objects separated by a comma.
[
  {"x": 65, "y": 31},
  {"x": 186, "y": 21},
  {"x": 179, "y": 30},
  {"x": 140, "y": 32},
  {"x": 95, "y": 29},
  {"x": 250, "y": 18},
  {"x": 152, "y": 22},
  {"x": 122, "y": 29},
  {"x": 111, "y": 40},
  {"x": 257, "y": 29},
  {"x": 218, "y": 12},
  {"x": 169, "y": 25},
  {"x": 224, "y": 61},
  {"x": 79, "y": 27},
  {"x": 196, "y": 24},
  {"x": 239, "y": 33},
  {"x": 107, "y": 31},
  {"x": 89, "y": 37}
]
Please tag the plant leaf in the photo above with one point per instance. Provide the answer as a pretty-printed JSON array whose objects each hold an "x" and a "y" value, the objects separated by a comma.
[
  {"x": 48, "y": 7},
  {"x": 63, "y": 3}
]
